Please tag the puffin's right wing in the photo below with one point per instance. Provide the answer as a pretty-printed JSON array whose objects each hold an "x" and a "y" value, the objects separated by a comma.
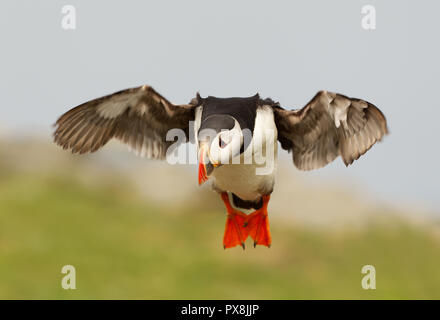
[
  {"x": 139, "y": 117},
  {"x": 328, "y": 126}
]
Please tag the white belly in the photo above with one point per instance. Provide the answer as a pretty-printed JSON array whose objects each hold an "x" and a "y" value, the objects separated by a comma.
[{"x": 242, "y": 180}]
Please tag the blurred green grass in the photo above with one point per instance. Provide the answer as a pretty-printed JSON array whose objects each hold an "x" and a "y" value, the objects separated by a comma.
[{"x": 123, "y": 248}]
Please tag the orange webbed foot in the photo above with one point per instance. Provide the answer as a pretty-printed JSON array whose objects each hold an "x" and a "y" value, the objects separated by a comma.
[
  {"x": 258, "y": 225},
  {"x": 235, "y": 231}
]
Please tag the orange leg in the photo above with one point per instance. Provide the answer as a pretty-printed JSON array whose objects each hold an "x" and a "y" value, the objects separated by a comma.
[
  {"x": 235, "y": 230},
  {"x": 258, "y": 225}
]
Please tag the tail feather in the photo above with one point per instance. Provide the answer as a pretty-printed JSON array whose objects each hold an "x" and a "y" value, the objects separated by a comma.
[{"x": 245, "y": 204}]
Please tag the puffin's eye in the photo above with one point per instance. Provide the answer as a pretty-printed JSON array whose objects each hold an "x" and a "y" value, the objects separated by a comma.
[{"x": 221, "y": 143}]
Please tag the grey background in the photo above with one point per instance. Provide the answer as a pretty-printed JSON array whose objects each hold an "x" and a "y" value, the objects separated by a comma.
[{"x": 282, "y": 49}]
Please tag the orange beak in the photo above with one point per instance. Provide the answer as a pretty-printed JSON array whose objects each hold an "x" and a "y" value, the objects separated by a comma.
[
  {"x": 203, "y": 175},
  {"x": 205, "y": 166}
]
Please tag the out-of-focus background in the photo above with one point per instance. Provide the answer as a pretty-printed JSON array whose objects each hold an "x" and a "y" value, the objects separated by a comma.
[{"x": 143, "y": 229}]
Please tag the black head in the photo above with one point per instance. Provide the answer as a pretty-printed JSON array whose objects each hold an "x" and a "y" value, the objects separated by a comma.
[
  {"x": 225, "y": 116},
  {"x": 225, "y": 130},
  {"x": 243, "y": 110}
]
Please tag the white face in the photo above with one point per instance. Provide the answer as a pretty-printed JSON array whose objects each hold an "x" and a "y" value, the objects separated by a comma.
[{"x": 224, "y": 145}]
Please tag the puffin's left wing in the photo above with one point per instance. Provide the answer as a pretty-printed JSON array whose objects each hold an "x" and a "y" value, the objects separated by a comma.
[
  {"x": 139, "y": 117},
  {"x": 328, "y": 126}
]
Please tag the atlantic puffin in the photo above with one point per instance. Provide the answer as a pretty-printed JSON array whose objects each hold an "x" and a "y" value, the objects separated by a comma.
[{"x": 330, "y": 125}]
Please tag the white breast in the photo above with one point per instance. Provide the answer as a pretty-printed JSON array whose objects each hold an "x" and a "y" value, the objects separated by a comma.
[{"x": 254, "y": 175}]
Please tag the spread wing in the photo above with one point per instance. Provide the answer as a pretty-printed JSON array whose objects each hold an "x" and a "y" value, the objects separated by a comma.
[
  {"x": 328, "y": 126},
  {"x": 139, "y": 117}
]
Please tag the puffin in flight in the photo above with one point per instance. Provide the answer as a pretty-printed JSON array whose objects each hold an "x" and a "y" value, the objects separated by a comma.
[{"x": 236, "y": 140}]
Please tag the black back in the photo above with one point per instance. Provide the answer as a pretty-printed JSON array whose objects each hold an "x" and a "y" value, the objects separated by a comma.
[{"x": 244, "y": 110}]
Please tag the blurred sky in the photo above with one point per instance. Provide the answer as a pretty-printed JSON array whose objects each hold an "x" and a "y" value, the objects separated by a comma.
[{"x": 287, "y": 50}]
